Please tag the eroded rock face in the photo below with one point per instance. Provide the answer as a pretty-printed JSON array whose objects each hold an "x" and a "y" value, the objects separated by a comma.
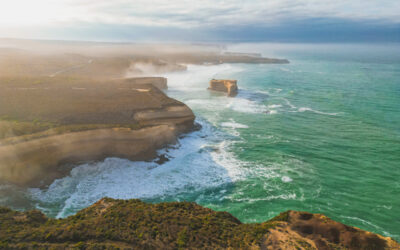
[
  {"x": 133, "y": 224},
  {"x": 228, "y": 86},
  {"x": 316, "y": 231},
  {"x": 89, "y": 122},
  {"x": 35, "y": 162}
]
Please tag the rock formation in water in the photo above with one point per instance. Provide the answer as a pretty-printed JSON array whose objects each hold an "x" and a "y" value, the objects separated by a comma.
[
  {"x": 53, "y": 124},
  {"x": 228, "y": 86},
  {"x": 133, "y": 224}
]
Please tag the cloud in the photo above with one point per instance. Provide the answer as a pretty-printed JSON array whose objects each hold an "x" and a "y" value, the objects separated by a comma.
[
  {"x": 214, "y": 18},
  {"x": 187, "y": 14}
]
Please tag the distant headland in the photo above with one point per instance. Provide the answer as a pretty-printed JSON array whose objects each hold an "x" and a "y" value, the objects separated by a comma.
[{"x": 66, "y": 103}]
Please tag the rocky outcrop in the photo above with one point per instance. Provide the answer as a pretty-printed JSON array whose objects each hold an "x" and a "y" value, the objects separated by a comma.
[
  {"x": 228, "y": 86},
  {"x": 133, "y": 224},
  {"x": 316, "y": 231},
  {"x": 85, "y": 122}
]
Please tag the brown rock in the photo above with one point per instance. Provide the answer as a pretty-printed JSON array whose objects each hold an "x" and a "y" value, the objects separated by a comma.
[
  {"x": 89, "y": 122},
  {"x": 303, "y": 230},
  {"x": 228, "y": 86}
]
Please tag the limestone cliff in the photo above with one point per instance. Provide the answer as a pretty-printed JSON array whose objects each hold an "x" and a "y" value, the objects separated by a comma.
[
  {"x": 73, "y": 123},
  {"x": 132, "y": 224},
  {"x": 228, "y": 86}
]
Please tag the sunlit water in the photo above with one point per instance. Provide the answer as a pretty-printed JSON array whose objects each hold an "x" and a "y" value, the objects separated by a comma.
[{"x": 321, "y": 134}]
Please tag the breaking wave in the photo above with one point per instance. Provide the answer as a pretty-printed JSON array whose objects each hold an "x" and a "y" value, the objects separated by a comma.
[{"x": 201, "y": 160}]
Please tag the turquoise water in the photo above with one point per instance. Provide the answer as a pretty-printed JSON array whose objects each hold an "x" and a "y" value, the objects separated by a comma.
[{"x": 321, "y": 134}]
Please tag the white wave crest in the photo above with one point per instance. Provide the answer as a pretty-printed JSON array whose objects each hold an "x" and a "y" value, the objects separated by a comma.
[
  {"x": 233, "y": 124},
  {"x": 286, "y": 179},
  {"x": 246, "y": 106},
  {"x": 304, "y": 109},
  {"x": 274, "y": 106},
  {"x": 197, "y": 164}
]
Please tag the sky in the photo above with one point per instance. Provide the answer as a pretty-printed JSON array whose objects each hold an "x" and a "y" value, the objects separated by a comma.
[{"x": 202, "y": 20}]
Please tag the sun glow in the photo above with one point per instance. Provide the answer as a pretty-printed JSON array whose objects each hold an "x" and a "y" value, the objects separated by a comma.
[{"x": 29, "y": 13}]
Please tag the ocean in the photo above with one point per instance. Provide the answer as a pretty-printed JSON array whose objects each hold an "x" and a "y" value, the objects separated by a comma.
[{"x": 321, "y": 134}]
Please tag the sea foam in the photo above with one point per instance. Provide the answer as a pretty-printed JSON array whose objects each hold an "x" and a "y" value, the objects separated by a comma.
[
  {"x": 233, "y": 124},
  {"x": 197, "y": 163},
  {"x": 304, "y": 109}
]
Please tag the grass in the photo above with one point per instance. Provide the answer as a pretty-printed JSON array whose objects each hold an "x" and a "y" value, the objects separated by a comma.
[{"x": 175, "y": 225}]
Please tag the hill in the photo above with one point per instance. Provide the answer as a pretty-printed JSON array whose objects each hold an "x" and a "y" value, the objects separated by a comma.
[{"x": 133, "y": 224}]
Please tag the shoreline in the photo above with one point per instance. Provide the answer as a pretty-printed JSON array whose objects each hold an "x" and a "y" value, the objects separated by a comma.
[
  {"x": 63, "y": 125},
  {"x": 39, "y": 162},
  {"x": 45, "y": 107},
  {"x": 279, "y": 202}
]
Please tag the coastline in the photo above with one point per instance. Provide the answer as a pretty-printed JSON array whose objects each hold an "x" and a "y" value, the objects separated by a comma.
[
  {"x": 286, "y": 180},
  {"x": 71, "y": 117},
  {"x": 131, "y": 119},
  {"x": 37, "y": 163}
]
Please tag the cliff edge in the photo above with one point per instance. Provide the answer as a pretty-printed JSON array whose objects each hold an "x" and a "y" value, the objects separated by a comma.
[
  {"x": 47, "y": 125},
  {"x": 133, "y": 224}
]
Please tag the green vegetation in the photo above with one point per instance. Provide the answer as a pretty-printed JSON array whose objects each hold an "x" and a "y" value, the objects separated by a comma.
[
  {"x": 121, "y": 223},
  {"x": 11, "y": 128},
  {"x": 281, "y": 217},
  {"x": 133, "y": 224}
]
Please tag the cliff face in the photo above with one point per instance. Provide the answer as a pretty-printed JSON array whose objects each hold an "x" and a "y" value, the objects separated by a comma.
[
  {"x": 37, "y": 162},
  {"x": 228, "y": 86},
  {"x": 74, "y": 123},
  {"x": 133, "y": 224}
]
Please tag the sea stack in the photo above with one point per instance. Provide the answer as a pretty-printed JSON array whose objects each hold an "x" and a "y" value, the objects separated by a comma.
[{"x": 228, "y": 86}]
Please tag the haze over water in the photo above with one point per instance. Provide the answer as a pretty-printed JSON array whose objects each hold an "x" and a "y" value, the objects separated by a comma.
[{"x": 321, "y": 134}]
